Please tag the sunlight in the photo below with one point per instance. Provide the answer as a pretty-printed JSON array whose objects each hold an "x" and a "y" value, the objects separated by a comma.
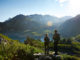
[
  {"x": 49, "y": 23},
  {"x": 74, "y": 4},
  {"x": 74, "y": 7}
]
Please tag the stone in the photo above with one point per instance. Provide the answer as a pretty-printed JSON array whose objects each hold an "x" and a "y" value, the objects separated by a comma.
[{"x": 57, "y": 57}]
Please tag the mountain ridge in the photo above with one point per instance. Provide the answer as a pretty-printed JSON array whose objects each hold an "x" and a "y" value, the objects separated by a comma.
[
  {"x": 70, "y": 27},
  {"x": 35, "y": 26}
]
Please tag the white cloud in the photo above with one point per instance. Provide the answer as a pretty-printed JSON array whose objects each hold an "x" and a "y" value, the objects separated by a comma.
[{"x": 62, "y": 2}]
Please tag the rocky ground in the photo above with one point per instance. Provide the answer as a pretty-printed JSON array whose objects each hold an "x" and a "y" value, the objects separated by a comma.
[{"x": 47, "y": 57}]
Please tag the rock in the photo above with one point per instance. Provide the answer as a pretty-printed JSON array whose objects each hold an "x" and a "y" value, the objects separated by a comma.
[
  {"x": 45, "y": 58},
  {"x": 48, "y": 58},
  {"x": 57, "y": 57}
]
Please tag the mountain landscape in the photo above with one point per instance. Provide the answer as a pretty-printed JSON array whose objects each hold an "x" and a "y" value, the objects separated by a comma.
[
  {"x": 21, "y": 26},
  {"x": 23, "y": 36},
  {"x": 39, "y": 30},
  {"x": 35, "y": 26}
]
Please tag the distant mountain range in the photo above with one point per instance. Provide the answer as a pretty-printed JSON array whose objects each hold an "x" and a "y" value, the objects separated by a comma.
[
  {"x": 35, "y": 26},
  {"x": 70, "y": 27}
]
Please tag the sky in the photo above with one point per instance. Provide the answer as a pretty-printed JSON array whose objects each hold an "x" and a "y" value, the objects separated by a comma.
[{"x": 59, "y": 8}]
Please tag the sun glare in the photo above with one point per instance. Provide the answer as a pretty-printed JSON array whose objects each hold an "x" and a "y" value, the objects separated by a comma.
[{"x": 49, "y": 23}]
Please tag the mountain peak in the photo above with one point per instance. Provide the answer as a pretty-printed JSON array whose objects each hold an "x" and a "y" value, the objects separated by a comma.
[
  {"x": 78, "y": 15},
  {"x": 20, "y": 15}
]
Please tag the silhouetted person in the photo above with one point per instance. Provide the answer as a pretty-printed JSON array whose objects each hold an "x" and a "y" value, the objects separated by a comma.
[
  {"x": 56, "y": 38},
  {"x": 46, "y": 44},
  {"x": 0, "y": 39}
]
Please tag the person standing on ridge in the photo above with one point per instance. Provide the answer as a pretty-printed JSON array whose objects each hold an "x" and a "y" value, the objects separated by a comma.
[
  {"x": 46, "y": 44},
  {"x": 56, "y": 38}
]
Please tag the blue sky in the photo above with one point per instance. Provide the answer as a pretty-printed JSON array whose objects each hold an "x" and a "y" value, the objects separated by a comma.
[{"x": 59, "y": 8}]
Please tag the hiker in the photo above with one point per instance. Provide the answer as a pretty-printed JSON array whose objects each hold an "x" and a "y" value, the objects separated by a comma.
[
  {"x": 0, "y": 39},
  {"x": 56, "y": 38},
  {"x": 46, "y": 44}
]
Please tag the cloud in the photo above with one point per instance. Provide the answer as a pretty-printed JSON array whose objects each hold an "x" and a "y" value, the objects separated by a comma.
[{"x": 61, "y": 2}]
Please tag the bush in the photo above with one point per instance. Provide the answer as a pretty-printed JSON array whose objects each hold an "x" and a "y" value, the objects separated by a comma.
[{"x": 15, "y": 50}]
